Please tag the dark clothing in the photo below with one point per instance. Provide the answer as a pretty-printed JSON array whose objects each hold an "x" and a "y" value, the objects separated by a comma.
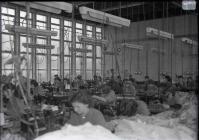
[{"x": 94, "y": 116}]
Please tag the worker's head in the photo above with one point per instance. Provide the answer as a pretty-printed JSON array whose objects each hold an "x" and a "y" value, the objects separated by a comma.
[
  {"x": 81, "y": 102},
  {"x": 106, "y": 88}
]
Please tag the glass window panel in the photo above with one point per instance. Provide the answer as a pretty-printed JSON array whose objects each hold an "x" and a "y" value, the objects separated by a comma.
[
  {"x": 7, "y": 71},
  {"x": 66, "y": 62},
  {"x": 89, "y": 47},
  {"x": 55, "y": 62},
  {"x": 7, "y": 43},
  {"x": 98, "y": 29},
  {"x": 67, "y": 74},
  {"x": 79, "y": 25},
  {"x": 78, "y": 33},
  {"x": 23, "y": 14},
  {"x": 98, "y": 35},
  {"x": 89, "y": 28},
  {"x": 98, "y": 51},
  {"x": 22, "y": 48},
  {"x": 80, "y": 47},
  {"x": 78, "y": 72},
  {"x": 66, "y": 48},
  {"x": 6, "y": 20},
  {"x": 67, "y": 23},
  {"x": 55, "y": 20},
  {"x": 41, "y": 61},
  {"x": 41, "y": 25},
  {"x": 89, "y": 63},
  {"x": 23, "y": 23},
  {"x": 89, "y": 34},
  {"x": 98, "y": 73},
  {"x": 55, "y": 28},
  {"x": 56, "y": 49},
  {"x": 41, "y": 75},
  {"x": 8, "y": 11},
  {"x": 79, "y": 62},
  {"x": 68, "y": 33},
  {"x": 41, "y": 41},
  {"x": 89, "y": 75},
  {"x": 5, "y": 57},
  {"x": 98, "y": 64},
  {"x": 40, "y": 17}
]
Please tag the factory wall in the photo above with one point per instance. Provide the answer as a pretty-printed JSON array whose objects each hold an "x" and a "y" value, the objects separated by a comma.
[{"x": 184, "y": 57}]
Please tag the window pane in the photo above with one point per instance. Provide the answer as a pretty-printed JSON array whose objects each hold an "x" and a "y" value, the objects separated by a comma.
[
  {"x": 78, "y": 33},
  {"x": 98, "y": 73},
  {"x": 78, "y": 62},
  {"x": 66, "y": 62},
  {"x": 89, "y": 75},
  {"x": 41, "y": 61},
  {"x": 41, "y": 25},
  {"x": 41, "y": 75},
  {"x": 55, "y": 20},
  {"x": 7, "y": 42},
  {"x": 8, "y": 11},
  {"x": 98, "y": 64},
  {"x": 6, "y": 20},
  {"x": 98, "y": 29},
  {"x": 40, "y": 17},
  {"x": 22, "y": 48},
  {"x": 79, "y": 25},
  {"x": 68, "y": 33},
  {"x": 98, "y": 51},
  {"x": 98, "y": 35},
  {"x": 89, "y": 47},
  {"x": 89, "y": 63},
  {"x": 78, "y": 72},
  {"x": 67, "y": 23},
  {"x": 54, "y": 62},
  {"x": 89, "y": 28},
  {"x": 23, "y": 14},
  {"x": 56, "y": 49},
  {"x": 53, "y": 73},
  {"x": 80, "y": 47},
  {"x": 5, "y": 57},
  {"x": 89, "y": 34},
  {"x": 23, "y": 23},
  {"x": 55, "y": 28},
  {"x": 66, "y": 48}
]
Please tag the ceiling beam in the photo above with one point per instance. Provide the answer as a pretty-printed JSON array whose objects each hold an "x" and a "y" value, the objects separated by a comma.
[
  {"x": 83, "y": 3},
  {"x": 122, "y": 6}
]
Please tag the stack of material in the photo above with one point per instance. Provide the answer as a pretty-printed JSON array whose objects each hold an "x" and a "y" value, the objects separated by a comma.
[
  {"x": 83, "y": 132},
  {"x": 132, "y": 130}
]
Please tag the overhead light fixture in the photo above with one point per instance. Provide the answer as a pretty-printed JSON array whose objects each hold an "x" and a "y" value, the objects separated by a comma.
[
  {"x": 133, "y": 46},
  {"x": 156, "y": 50},
  {"x": 189, "y": 41},
  {"x": 33, "y": 31},
  {"x": 38, "y": 46},
  {"x": 102, "y": 17},
  {"x": 79, "y": 50},
  {"x": 52, "y": 7},
  {"x": 188, "y": 4},
  {"x": 92, "y": 40},
  {"x": 156, "y": 33}
]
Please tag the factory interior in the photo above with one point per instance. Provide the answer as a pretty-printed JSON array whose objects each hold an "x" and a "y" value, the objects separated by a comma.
[{"x": 89, "y": 70}]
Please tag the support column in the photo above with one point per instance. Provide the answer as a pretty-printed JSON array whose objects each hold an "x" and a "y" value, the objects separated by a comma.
[{"x": 48, "y": 52}]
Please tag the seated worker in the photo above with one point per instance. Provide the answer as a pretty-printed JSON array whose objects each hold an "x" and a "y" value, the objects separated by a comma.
[
  {"x": 190, "y": 83},
  {"x": 36, "y": 90},
  {"x": 83, "y": 112},
  {"x": 15, "y": 107},
  {"x": 142, "y": 108},
  {"x": 128, "y": 88},
  {"x": 108, "y": 97}
]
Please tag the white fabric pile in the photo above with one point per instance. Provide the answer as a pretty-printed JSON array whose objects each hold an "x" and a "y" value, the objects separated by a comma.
[
  {"x": 131, "y": 130},
  {"x": 82, "y": 132}
]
